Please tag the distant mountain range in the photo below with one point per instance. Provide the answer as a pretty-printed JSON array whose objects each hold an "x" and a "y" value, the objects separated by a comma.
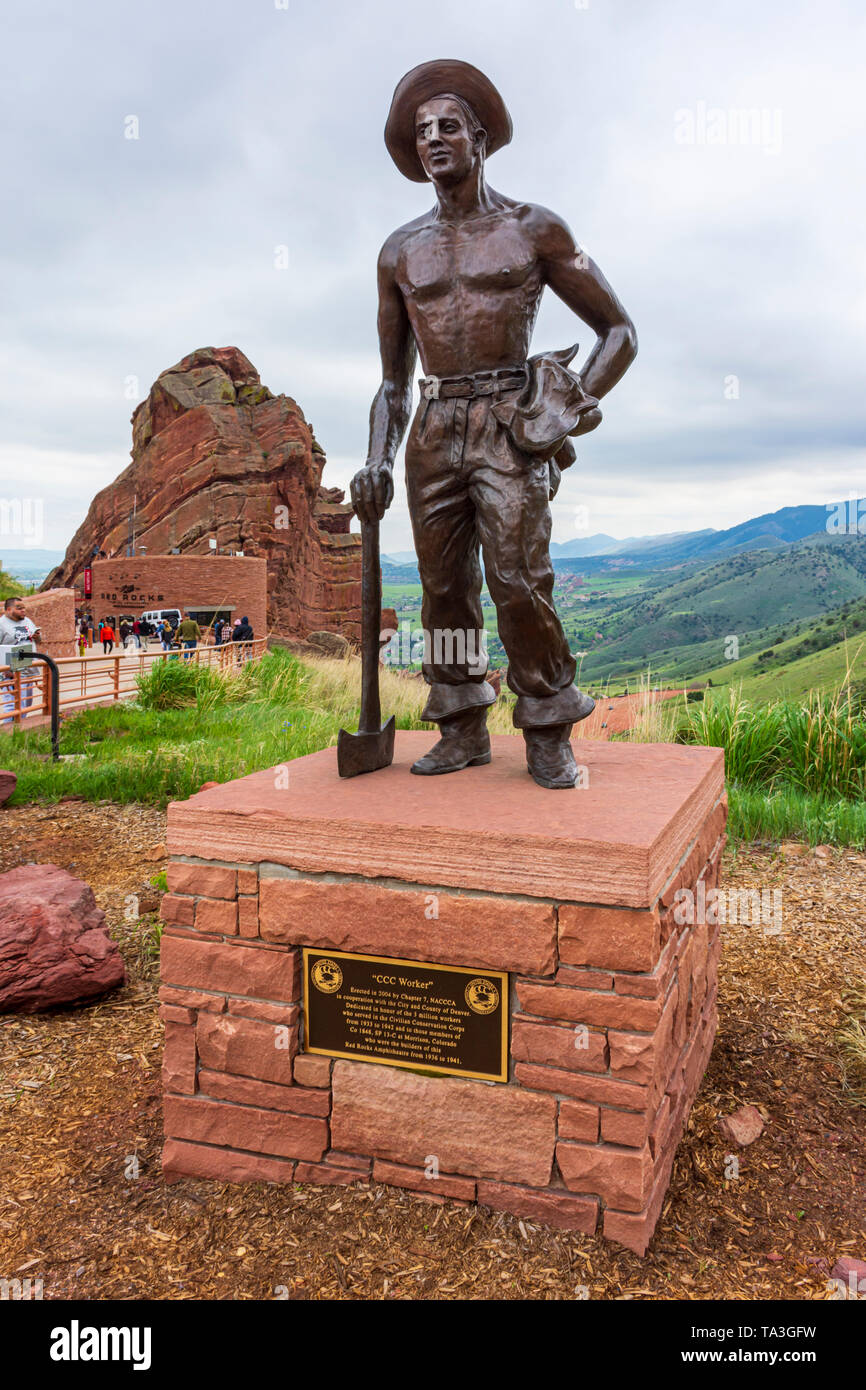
[
  {"x": 29, "y": 566},
  {"x": 602, "y": 553}
]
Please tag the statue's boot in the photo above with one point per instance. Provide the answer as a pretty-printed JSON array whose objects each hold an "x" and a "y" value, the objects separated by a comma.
[
  {"x": 464, "y": 742},
  {"x": 549, "y": 756}
]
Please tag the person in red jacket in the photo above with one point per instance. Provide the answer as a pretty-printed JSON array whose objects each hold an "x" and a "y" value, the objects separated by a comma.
[{"x": 107, "y": 637}]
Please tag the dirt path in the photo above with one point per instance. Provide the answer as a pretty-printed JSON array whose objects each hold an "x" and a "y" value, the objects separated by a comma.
[
  {"x": 616, "y": 714},
  {"x": 84, "y": 1207}
]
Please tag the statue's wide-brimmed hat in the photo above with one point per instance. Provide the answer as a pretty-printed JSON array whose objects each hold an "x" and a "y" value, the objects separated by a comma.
[{"x": 432, "y": 80}]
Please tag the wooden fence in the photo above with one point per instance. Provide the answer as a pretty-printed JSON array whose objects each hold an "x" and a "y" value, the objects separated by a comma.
[{"x": 91, "y": 680}]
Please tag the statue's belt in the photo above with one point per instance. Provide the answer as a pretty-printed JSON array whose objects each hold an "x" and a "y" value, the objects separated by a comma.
[
  {"x": 468, "y": 386},
  {"x": 547, "y": 410}
]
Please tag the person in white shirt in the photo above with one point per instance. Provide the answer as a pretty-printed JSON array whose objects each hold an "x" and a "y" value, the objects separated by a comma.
[{"x": 15, "y": 628}]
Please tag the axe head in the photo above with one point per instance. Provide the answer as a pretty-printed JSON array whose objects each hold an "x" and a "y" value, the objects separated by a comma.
[{"x": 364, "y": 752}]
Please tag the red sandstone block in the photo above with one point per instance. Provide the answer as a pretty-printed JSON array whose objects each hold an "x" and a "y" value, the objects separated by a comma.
[
  {"x": 695, "y": 1063},
  {"x": 192, "y": 999},
  {"x": 578, "y": 1120},
  {"x": 652, "y": 984},
  {"x": 271, "y": 1132},
  {"x": 498, "y": 1132},
  {"x": 552, "y": 1206},
  {"x": 588, "y": 1006},
  {"x": 174, "y": 1013},
  {"x": 632, "y": 1056},
  {"x": 583, "y": 1086},
  {"x": 698, "y": 855},
  {"x": 660, "y": 1131},
  {"x": 581, "y": 977},
  {"x": 311, "y": 1070},
  {"x": 265, "y": 1094},
  {"x": 635, "y": 1230},
  {"x": 181, "y": 1159},
  {"x": 328, "y": 1173},
  {"x": 178, "y": 1064},
  {"x": 701, "y": 951},
  {"x": 248, "y": 916},
  {"x": 216, "y": 916},
  {"x": 180, "y": 911},
  {"x": 685, "y": 952},
  {"x": 491, "y": 932},
  {"x": 620, "y": 1177},
  {"x": 341, "y": 1160},
  {"x": 203, "y": 880},
  {"x": 612, "y": 938},
  {"x": 619, "y": 1127},
  {"x": 246, "y": 1047},
  {"x": 286, "y": 1014},
  {"x": 230, "y": 968},
  {"x": 190, "y": 933},
  {"x": 554, "y": 1045},
  {"x": 446, "y": 1185},
  {"x": 646, "y": 1058},
  {"x": 248, "y": 881}
]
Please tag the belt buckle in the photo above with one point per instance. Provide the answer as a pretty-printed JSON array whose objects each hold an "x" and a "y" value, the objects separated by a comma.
[
  {"x": 483, "y": 384},
  {"x": 431, "y": 388}
]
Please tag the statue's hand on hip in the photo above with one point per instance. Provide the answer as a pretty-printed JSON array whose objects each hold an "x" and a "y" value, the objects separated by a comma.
[{"x": 372, "y": 490}]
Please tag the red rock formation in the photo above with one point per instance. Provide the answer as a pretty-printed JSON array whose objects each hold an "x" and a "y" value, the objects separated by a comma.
[
  {"x": 215, "y": 454},
  {"x": 54, "y": 942}
]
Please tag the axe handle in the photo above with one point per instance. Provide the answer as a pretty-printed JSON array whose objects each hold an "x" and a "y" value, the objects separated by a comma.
[{"x": 371, "y": 622}]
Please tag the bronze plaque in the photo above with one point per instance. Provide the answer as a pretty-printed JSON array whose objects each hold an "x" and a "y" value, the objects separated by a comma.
[{"x": 407, "y": 1013}]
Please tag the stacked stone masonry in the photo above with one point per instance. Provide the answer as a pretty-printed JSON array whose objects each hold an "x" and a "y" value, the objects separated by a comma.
[{"x": 613, "y": 1019}]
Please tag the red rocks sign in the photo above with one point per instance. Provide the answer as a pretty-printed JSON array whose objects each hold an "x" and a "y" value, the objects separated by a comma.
[{"x": 217, "y": 457}]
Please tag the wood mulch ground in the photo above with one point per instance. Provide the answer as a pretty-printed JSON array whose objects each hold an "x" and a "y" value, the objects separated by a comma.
[{"x": 83, "y": 1205}]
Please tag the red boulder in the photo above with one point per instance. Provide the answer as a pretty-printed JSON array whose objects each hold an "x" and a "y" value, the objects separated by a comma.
[
  {"x": 7, "y": 785},
  {"x": 54, "y": 943}
]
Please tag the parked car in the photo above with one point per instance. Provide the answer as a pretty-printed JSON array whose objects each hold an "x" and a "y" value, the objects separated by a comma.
[{"x": 171, "y": 616}]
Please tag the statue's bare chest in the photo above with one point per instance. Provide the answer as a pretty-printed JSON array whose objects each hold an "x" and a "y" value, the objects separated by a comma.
[{"x": 484, "y": 256}]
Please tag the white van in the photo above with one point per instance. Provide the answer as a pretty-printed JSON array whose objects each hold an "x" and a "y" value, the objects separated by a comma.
[{"x": 168, "y": 615}]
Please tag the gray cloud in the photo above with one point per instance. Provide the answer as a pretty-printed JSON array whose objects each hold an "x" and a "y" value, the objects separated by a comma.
[{"x": 262, "y": 127}]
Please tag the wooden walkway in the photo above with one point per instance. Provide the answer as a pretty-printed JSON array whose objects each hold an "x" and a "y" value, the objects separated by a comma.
[{"x": 25, "y": 697}]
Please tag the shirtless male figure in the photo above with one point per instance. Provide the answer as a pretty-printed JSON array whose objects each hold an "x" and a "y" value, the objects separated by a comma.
[{"x": 462, "y": 285}]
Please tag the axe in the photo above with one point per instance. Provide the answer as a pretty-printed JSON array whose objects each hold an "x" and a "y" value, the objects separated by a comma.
[{"x": 372, "y": 746}]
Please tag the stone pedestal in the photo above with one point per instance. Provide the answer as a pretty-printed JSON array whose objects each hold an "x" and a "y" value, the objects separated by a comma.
[{"x": 613, "y": 992}]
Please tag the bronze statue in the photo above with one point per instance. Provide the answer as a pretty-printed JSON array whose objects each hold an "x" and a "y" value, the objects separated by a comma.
[{"x": 491, "y": 431}]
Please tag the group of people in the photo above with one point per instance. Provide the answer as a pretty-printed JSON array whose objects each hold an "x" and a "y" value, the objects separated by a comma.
[
  {"x": 183, "y": 635},
  {"x": 134, "y": 632},
  {"x": 224, "y": 631}
]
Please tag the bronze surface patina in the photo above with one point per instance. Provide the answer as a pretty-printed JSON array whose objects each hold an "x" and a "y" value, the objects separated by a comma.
[
  {"x": 445, "y": 1019},
  {"x": 461, "y": 286}
]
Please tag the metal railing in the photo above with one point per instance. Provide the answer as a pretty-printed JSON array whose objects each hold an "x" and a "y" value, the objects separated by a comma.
[{"x": 86, "y": 680}]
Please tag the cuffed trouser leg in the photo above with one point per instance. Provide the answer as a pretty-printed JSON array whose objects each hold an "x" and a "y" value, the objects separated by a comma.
[{"x": 511, "y": 495}]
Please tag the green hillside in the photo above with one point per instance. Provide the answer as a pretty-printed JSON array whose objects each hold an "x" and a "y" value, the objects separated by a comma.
[
  {"x": 823, "y": 655},
  {"x": 759, "y": 598}
]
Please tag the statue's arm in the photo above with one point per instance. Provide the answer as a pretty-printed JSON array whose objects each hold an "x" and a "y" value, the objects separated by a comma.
[
  {"x": 372, "y": 488},
  {"x": 577, "y": 280}
]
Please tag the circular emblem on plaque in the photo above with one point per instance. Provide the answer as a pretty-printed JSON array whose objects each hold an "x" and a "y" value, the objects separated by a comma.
[
  {"x": 482, "y": 996},
  {"x": 327, "y": 976}
]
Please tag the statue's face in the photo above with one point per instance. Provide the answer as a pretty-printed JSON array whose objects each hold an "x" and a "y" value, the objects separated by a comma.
[{"x": 444, "y": 142}]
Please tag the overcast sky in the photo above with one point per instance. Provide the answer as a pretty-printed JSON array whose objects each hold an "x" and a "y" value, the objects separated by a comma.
[{"x": 260, "y": 126}]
